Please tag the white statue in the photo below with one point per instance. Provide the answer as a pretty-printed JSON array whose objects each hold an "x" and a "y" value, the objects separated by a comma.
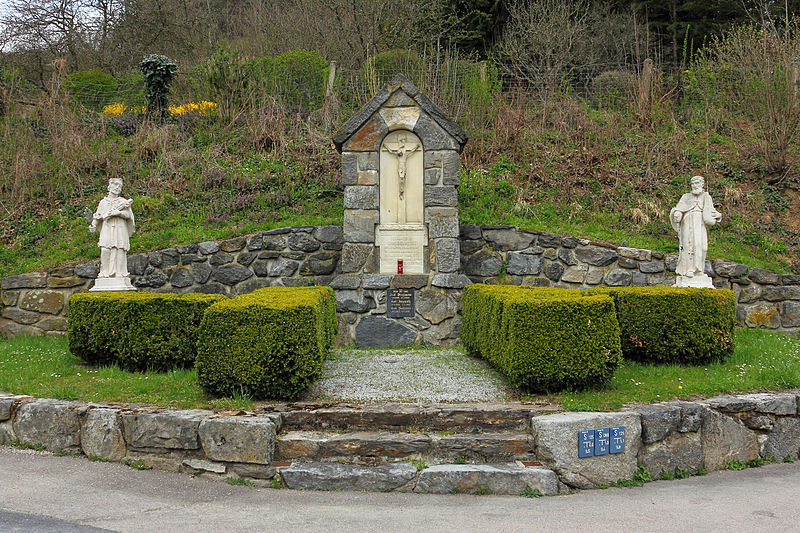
[
  {"x": 114, "y": 219},
  {"x": 689, "y": 218}
]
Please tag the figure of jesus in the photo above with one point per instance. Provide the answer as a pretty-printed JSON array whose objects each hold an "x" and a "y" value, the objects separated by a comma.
[
  {"x": 402, "y": 152},
  {"x": 114, "y": 219},
  {"x": 689, "y": 218}
]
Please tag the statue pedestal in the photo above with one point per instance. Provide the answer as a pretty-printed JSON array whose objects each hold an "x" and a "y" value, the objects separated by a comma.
[
  {"x": 404, "y": 242},
  {"x": 112, "y": 284},
  {"x": 700, "y": 281}
]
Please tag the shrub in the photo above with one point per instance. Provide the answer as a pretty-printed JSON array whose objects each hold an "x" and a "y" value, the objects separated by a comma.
[
  {"x": 228, "y": 79},
  {"x": 298, "y": 78},
  {"x": 92, "y": 89},
  {"x": 270, "y": 343},
  {"x": 136, "y": 330},
  {"x": 675, "y": 325},
  {"x": 158, "y": 72},
  {"x": 543, "y": 339}
]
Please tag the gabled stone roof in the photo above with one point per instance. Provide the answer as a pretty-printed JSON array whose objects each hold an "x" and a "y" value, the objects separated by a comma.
[{"x": 400, "y": 84}]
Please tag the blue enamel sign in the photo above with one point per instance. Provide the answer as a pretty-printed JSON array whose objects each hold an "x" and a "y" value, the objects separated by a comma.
[
  {"x": 617, "y": 439},
  {"x": 586, "y": 443},
  {"x": 601, "y": 441}
]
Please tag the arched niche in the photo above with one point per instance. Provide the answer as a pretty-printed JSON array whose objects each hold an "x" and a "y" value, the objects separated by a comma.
[{"x": 401, "y": 179}]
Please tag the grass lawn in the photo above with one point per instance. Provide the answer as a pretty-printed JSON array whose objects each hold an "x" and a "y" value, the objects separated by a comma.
[{"x": 44, "y": 367}]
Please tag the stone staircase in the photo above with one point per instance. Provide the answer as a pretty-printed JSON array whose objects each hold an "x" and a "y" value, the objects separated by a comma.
[{"x": 441, "y": 448}]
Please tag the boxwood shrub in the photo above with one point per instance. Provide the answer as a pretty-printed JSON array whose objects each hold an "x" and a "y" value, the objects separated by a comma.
[
  {"x": 270, "y": 343},
  {"x": 678, "y": 325},
  {"x": 136, "y": 330},
  {"x": 542, "y": 339}
]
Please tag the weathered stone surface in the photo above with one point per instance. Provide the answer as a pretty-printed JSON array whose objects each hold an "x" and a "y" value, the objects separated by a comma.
[
  {"x": 727, "y": 269},
  {"x": 658, "y": 421},
  {"x": 346, "y": 281},
  {"x": 274, "y": 242},
  {"x": 556, "y": 443},
  {"x": 724, "y": 439},
  {"x": 790, "y": 279},
  {"x": 442, "y": 222},
  {"x": 595, "y": 255},
  {"x": 5, "y": 408},
  {"x": 671, "y": 262},
  {"x": 447, "y": 255},
  {"x": 638, "y": 279},
  {"x": 508, "y": 239},
  {"x": 436, "y": 305},
  {"x": 188, "y": 249},
  {"x": 378, "y": 332},
  {"x": 43, "y": 301},
  {"x": 282, "y": 267},
  {"x": 764, "y": 277},
  {"x": 12, "y": 329},
  {"x": 20, "y": 317},
  {"x": 618, "y": 278},
  {"x": 470, "y": 247},
  {"x": 9, "y": 298},
  {"x": 53, "y": 323},
  {"x": 245, "y": 258},
  {"x": 248, "y": 286},
  {"x": 409, "y": 281},
  {"x": 519, "y": 264},
  {"x": 32, "y": 280},
  {"x": 164, "y": 429},
  {"x": 355, "y": 256},
  {"x": 311, "y": 445},
  {"x": 483, "y": 447},
  {"x": 232, "y": 274},
  {"x": 484, "y": 264},
  {"x": 368, "y": 137},
  {"x": 87, "y": 270},
  {"x": 359, "y": 225},
  {"x": 53, "y": 423},
  {"x": 101, "y": 435},
  {"x": 681, "y": 451},
  {"x": 376, "y": 281},
  {"x": 302, "y": 242},
  {"x": 201, "y": 465},
  {"x": 761, "y": 315},
  {"x": 450, "y": 281},
  {"x": 594, "y": 277},
  {"x": 169, "y": 257},
  {"x": 367, "y": 177},
  {"x": 349, "y": 168},
  {"x": 790, "y": 314},
  {"x": 180, "y": 278},
  {"x": 368, "y": 161},
  {"x": 361, "y": 197},
  {"x": 253, "y": 470},
  {"x": 783, "y": 440},
  {"x": 64, "y": 282},
  {"x": 445, "y": 196},
  {"x": 767, "y": 402},
  {"x": 651, "y": 267},
  {"x": 233, "y": 245},
  {"x": 731, "y": 404},
  {"x": 137, "y": 264},
  {"x": 747, "y": 294},
  {"x": 7, "y": 435},
  {"x": 329, "y": 234},
  {"x": 470, "y": 232},
  {"x": 627, "y": 262},
  {"x": 553, "y": 270},
  {"x": 221, "y": 258},
  {"x": 496, "y": 479},
  {"x": 320, "y": 264},
  {"x": 638, "y": 254},
  {"x": 575, "y": 274},
  {"x": 779, "y": 293},
  {"x": 238, "y": 439},
  {"x": 335, "y": 476},
  {"x": 353, "y": 301},
  {"x": 567, "y": 256},
  {"x": 201, "y": 272}
]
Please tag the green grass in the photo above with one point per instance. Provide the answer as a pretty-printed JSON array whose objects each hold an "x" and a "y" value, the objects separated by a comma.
[{"x": 43, "y": 367}]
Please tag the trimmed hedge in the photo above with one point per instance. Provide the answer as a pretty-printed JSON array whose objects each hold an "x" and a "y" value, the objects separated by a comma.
[
  {"x": 542, "y": 339},
  {"x": 136, "y": 330},
  {"x": 270, "y": 343},
  {"x": 677, "y": 325}
]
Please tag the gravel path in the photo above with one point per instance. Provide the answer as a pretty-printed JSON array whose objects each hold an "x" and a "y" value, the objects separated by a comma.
[{"x": 408, "y": 375}]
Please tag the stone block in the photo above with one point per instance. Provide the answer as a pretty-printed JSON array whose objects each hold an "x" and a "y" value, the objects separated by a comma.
[
  {"x": 618, "y": 278},
  {"x": 368, "y": 138},
  {"x": 32, "y": 280},
  {"x": 220, "y": 258},
  {"x": 346, "y": 281},
  {"x": 53, "y": 423},
  {"x": 181, "y": 277},
  {"x": 470, "y": 232},
  {"x": 335, "y": 476},
  {"x": 553, "y": 270},
  {"x": 329, "y": 234},
  {"x": 232, "y": 274},
  {"x": 274, "y": 242},
  {"x": 445, "y": 196},
  {"x": 450, "y": 281},
  {"x": 233, "y": 245},
  {"x": 782, "y": 404},
  {"x": 376, "y": 281},
  {"x": 238, "y": 439},
  {"x": 678, "y": 451},
  {"x": 137, "y": 264},
  {"x": 5, "y": 408},
  {"x": 361, "y": 197},
  {"x": 245, "y": 258},
  {"x": 575, "y": 274},
  {"x": 433, "y": 176},
  {"x": 495, "y": 479},
  {"x": 65, "y": 282},
  {"x": 626, "y": 262},
  {"x": 164, "y": 429},
  {"x": 7, "y": 435},
  {"x": 442, "y": 222},
  {"x": 87, "y": 270},
  {"x": 508, "y": 239},
  {"x": 101, "y": 435},
  {"x": 198, "y": 466},
  {"x": 651, "y": 267},
  {"x": 724, "y": 439},
  {"x": 381, "y": 332},
  {"x": 367, "y": 177},
  {"x": 436, "y": 305},
  {"x": 671, "y": 262},
  {"x": 566, "y": 256},
  {"x": 53, "y": 324},
  {"x": 353, "y": 301},
  {"x": 283, "y": 267},
  {"x": 783, "y": 440},
  {"x": 20, "y": 317},
  {"x": 658, "y": 421},
  {"x": 638, "y": 254},
  {"x": 359, "y": 225},
  {"x": 208, "y": 247},
  {"x": 433, "y": 136},
  {"x": 727, "y": 269},
  {"x": 303, "y": 242},
  {"x": 595, "y": 255},
  {"x": 779, "y": 293},
  {"x": 253, "y": 470},
  {"x": 368, "y": 161},
  {"x": 447, "y": 255},
  {"x": 355, "y": 256},
  {"x": 12, "y": 329},
  {"x": 320, "y": 264},
  {"x": 43, "y": 301},
  {"x": 483, "y": 264},
  {"x": 556, "y": 443},
  {"x": 762, "y": 314},
  {"x": 252, "y": 284},
  {"x": 188, "y": 249},
  {"x": 594, "y": 277},
  {"x": 409, "y": 281},
  {"x": 349, "y": 168},
  {"x": 638, "y": 279},
  {"x": 9, "y": 298},
  {"x": 764, "y": 277},
  {"x": 790, "y": 314},
  {"x": 201, "y": 272}
]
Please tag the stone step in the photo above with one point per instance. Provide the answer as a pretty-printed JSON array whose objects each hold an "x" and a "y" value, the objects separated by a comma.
[
  {"x": 497, "y": 478},
  {"x": 368, "y": 447},
  {"x": 462, "y": 418}
]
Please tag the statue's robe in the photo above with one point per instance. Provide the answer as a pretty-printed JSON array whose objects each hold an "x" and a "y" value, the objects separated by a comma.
[{"x": 698, "y": 212}]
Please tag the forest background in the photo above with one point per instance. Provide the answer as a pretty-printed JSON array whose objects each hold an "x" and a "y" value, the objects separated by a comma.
[{"x": 586, "y": 118}]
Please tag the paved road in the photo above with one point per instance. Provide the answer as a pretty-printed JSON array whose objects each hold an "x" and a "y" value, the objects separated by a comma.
[{"x": 44, "y": 493}]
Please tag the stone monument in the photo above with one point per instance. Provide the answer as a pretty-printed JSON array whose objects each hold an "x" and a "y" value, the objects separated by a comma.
[
  {"x": 400, "y": 168},
  {"x": 114, "y": 220},
  {"x": 689, "y": 218}
]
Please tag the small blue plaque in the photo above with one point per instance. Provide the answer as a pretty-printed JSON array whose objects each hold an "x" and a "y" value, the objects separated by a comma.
[
  {"x": 601, "y": 441},
  {"x": 586, "y": 443},
  {"x": 617, "y": 439}
]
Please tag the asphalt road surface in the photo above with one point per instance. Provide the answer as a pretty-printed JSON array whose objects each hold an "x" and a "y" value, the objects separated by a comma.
[{"x": 43, "y": 493}]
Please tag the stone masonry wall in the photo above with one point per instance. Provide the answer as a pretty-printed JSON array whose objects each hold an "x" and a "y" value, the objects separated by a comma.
[{"x": 34, "y": 303}]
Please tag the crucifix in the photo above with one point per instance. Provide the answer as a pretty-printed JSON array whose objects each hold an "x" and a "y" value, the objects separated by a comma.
[{"x": 402, "y": 149}]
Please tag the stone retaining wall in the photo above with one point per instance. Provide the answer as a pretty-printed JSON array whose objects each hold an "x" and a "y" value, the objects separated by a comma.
[
  {"x": 34, "y": 303},
  {"x": 663, "y": 437}
]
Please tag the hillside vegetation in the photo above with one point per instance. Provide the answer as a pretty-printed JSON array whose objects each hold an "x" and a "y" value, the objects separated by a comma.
[{"x": 597, "y": 151}]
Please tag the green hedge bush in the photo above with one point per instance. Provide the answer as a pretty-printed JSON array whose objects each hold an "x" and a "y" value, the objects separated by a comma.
[
  {"x": 136, "y": 330},
  {"x": 542, "y": 339},
  {"x": 92, "y": 89},
  {"x": 677, "y": 325},
  {"x": 270, "y": 343}
]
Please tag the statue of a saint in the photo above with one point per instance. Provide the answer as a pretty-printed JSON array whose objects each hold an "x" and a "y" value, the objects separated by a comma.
[
  {"x": 689, "y": 218},
  {"x": 114, "y": 219}
]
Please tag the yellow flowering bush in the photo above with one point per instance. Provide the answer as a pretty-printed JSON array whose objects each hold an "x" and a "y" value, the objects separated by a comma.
[
  {"x": 203, "y": 108},
  {"x": 118, "y": 108}
]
